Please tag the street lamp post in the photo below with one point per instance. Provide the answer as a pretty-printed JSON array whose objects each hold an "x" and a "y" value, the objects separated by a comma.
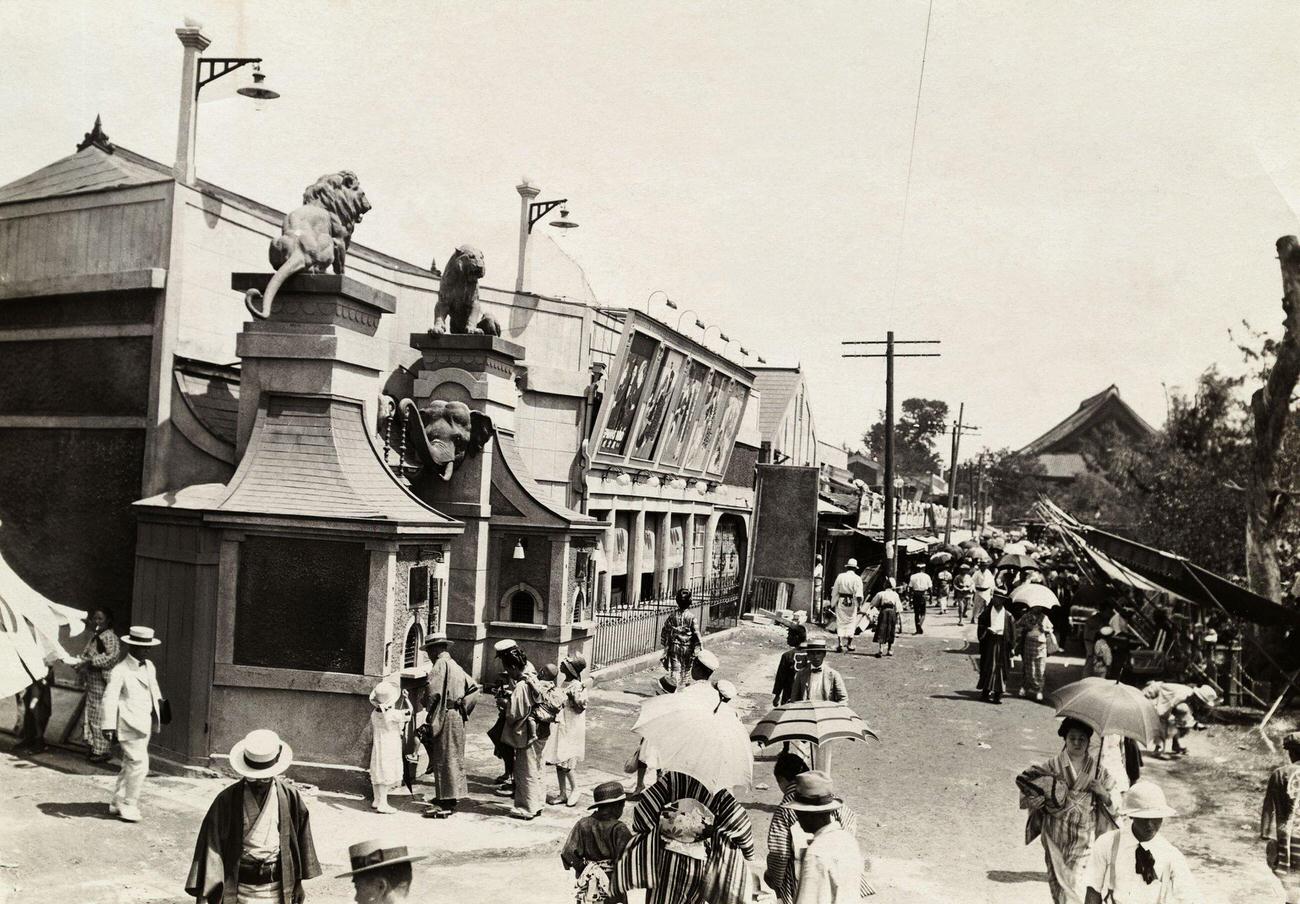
[
  {"x": 530, "y": 212},
  {"x": 197, "y": 71},
  {"x": 668, "y": 302}
]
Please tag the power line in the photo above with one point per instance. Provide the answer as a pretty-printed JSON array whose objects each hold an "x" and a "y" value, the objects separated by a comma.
[{"x": 911, "y": 156}]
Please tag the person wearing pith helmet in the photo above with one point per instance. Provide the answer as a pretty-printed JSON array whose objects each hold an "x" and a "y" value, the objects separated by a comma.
[
  {"x": 380, "y": 874},
  {"x": 133, "y": 709},
  {"x": 832, "y": 865},
  {"x": 255, "y": 842},
  {"x": 1133, "y": 864}
]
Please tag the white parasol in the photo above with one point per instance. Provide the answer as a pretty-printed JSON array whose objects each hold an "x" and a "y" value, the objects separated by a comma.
[
  {"x": 708, "y": 743},
  {"x": 29, "y": 632},
  {"x": 1035, "y": 596}
]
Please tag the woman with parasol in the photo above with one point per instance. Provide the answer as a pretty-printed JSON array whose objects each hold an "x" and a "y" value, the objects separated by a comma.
[{"x": 1071, "y": 800}]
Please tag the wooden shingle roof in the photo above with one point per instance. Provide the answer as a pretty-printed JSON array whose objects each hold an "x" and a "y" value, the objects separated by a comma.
[
  {"x": 312, "y": 457},
  {"x": 90, "y": 169},
  {"x": 1105, "y": 405}
]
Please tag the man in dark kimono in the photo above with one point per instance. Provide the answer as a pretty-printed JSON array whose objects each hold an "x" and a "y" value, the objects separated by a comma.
[
  {"x": 255, "y": 842},
  {"x": 997, "y": 637}
]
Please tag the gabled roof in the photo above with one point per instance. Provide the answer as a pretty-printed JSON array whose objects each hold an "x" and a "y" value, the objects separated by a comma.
[
  {"x": 90, "y": 169},
  {"x": 1105, "y": 405},
  {"x": 777, "y": 386},
  {"x": 312, "y": 457},
  {"x": 518, "y": 501}
]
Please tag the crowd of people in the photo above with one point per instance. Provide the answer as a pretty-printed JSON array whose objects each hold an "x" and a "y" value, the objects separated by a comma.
[{"x": 1096, "y": 818}]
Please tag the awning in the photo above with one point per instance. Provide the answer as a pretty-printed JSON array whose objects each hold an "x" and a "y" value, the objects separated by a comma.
[
  {"x": 1117, "y": 572},
  {"x": 829, "y": 508},
  {"x": 1177, "y": 575}
]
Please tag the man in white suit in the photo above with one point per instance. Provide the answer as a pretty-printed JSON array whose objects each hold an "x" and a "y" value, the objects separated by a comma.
[{"x": 132, "y": 712}]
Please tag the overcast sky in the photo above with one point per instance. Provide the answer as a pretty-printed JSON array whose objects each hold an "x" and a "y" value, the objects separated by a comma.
[{"x": 1096, "y": 190}]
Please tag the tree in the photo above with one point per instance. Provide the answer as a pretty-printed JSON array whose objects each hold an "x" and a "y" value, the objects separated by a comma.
[
  {"x": 919, "y": 424},
  {"x": 1270, "y": 412}
]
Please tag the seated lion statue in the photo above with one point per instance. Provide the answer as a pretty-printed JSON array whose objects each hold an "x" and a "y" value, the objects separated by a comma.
[
  {"x": 315, "y": 236},
  {"x": 458, "y": 310}
]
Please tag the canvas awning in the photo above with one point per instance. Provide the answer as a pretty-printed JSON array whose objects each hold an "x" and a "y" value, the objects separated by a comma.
[{"x": 1179, "y": 576}]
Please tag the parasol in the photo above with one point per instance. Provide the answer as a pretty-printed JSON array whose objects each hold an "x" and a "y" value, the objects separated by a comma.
[
  {"x": 978, "y": 554},
  {"x": 1017, "y": 560},
  {"x": 1109, "y": 707},
  {"x": 1035, "y": 596},
  {"x": 699, "y": 695},
  {"x": 707, "y": 743},
  {"x": 815, "y": 721},
  {"x": 942, "y": 557}
]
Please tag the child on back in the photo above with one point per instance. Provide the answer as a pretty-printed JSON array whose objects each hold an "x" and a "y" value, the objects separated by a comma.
[
  {"x": 595, "y": 843},
  {"x": 567, "y": 745}
]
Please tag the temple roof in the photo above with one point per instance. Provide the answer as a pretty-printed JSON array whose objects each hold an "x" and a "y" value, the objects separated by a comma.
[
  {"x": 90, "y": 169},
  {"x": 1105, "y": 406},
  {"x": 312, "y": 457}
]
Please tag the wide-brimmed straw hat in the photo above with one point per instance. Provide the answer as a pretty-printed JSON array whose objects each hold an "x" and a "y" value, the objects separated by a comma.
[
  {"x": 261, "y": 754},
  {"x": 607, "y": 793},
  {"x": 437, "y": 637},
  {"x": 1207, "y": 695},
  {"x": 576, "y": 664},
  {"x": 666, "y": 685},
  {"x": 368, "y": 855},
  {"x": 1145, "y": 800},
  {"x": 385, "y": 694},
  {"x": 141, "y": 636},
  {"x": 813, "y": 645},
  {"x": 813, "y": 793}
]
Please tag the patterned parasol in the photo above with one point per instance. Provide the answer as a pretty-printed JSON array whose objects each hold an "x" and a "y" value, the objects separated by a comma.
[{"x": 816, "y": 721}]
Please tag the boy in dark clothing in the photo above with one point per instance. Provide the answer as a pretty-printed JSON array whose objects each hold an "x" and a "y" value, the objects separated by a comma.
[{"x": 595, "y": 843}]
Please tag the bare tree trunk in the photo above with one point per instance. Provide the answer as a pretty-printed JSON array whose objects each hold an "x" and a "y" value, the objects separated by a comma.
[{"x": 1270, "y": 408}]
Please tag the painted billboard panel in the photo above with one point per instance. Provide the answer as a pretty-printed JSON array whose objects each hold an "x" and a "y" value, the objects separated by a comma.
[
  {"x": 670, "y": 365},
  {"x": 627, "y": 395},
  {"x": 685, "y": 413},
  {"x": 726, "y": 434},
  {"x": 706, "y": 425}
]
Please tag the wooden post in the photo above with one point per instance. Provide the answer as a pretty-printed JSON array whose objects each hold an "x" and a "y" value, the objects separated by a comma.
[
  {"x": 952, "y": 475},
  {"x": 891, "y": 552}
]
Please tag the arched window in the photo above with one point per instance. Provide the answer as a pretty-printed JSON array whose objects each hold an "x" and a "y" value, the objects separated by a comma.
[
  {"x": 522, "y": 604},
  {"x": 414, "y": 641}
]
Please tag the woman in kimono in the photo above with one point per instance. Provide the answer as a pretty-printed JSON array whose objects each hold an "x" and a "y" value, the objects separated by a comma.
[
  {"x": 102, "y": 652},
  {"x": 1278, "y": 823},
  {"x": 567, "y": 745},
  {"x": 1071, "y": 800},
  {"x": 1037, "y": 637}
]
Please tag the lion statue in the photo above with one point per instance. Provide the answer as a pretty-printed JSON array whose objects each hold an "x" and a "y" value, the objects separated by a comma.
[
  {"x": 458, "y": 310},
  {"x": 315, "y": 236}
]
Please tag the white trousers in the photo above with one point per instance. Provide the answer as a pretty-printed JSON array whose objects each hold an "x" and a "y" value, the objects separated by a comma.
[{"x": 135, "y": 766}]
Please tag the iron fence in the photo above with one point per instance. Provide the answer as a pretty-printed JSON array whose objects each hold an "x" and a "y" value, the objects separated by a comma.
[{"x": 626, "y": 632}]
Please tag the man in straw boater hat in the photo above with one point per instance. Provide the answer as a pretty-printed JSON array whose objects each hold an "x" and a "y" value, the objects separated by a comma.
[
  {"x": 1279, "y": 822},
  {"x": 255, "y": 842},
  {"x": 380, "y": 875},
  {"x": 451, "y": 697},
  {"x": 132, "y": 710},
  {"x": 1133, "y": 864},
  {"x": 846, "y": 595},
  {"x": 832, "y": 863},
  {"x": 595, "y": 842}
]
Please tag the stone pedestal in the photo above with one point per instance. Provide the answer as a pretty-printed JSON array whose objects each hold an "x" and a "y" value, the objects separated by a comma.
[{"x": 318, "y": 339}]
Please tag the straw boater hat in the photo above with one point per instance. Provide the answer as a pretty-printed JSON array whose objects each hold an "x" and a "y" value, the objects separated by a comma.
[
  {"x": 813, "y": 793},
  {"x": 813, "y": 645},
  {"x": 261, "y": 754},
  {"x": 851, "y": 563},
  {"x": 368, "y": 855},
  {"x": 141, "y": 636},
  {"x": 437, "y": 637},
  {"x": 1145, "y": 800},
  {"x": 1207, "y": 695},
  {"x": 502, "y": 645},
  {"x": 726, "y": 690},
  {"x": 666, "y": 685},
  {"x": 607, "y": 793}
]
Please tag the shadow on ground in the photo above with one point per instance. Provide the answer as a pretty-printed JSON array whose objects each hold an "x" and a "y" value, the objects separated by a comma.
[
  {"x": 97, "y": 809},
  {"x": 1012, "y": 876}
]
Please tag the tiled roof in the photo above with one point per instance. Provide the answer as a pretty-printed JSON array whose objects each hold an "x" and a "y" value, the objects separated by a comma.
[
  {"x": 312, "y": 457},
  {"x": 1106, "y": 403},
  {"x": 211, "y": 391},
  {"x": 778, "y": 386},
  {"x": 90, "y": 169}
]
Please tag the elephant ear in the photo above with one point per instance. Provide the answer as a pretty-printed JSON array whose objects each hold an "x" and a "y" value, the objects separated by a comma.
[
  {"x": 481, "y": 430},
  {"x": 431, "y": 455}
]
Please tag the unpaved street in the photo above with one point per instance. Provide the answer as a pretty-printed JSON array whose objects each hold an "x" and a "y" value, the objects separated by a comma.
[{"x": 937, "y": 806}]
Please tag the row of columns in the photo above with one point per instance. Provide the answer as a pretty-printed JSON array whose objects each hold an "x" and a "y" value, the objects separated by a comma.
[{"x": 663, "y": 540}]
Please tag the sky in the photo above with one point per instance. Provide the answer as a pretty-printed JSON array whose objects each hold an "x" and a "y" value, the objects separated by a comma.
[{"x": 1096, "y": 187}]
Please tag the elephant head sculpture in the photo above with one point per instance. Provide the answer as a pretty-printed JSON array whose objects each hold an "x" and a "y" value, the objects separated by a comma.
[{"x": 443, "y": 433}]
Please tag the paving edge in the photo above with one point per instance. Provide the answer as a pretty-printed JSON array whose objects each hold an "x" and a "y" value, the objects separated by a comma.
[{"x": 629, "y": 666}]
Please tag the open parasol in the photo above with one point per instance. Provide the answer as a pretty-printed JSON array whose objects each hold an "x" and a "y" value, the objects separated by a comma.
[
  {"x": 1017, "y": 560},
  {"x": 29, "y": 632},
  {"x": 1035, "y": 596},
  {"x": 942, "y": 557},
  {"x": 978, "y": 554},
  {"x": 815, "y": 721},
  {"x": 1111, "y": 708},
  {"x": 707, "y": 743}
]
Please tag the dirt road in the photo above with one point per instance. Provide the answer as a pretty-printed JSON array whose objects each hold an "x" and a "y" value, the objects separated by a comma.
[{"x": 935, "y": 797}]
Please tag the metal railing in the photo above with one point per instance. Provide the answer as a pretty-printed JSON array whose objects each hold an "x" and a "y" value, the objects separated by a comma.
[{"x": 633, "y": 630}]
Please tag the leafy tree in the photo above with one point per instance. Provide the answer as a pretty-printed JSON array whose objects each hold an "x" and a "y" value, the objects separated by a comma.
[{"x": 919, "y": 424}]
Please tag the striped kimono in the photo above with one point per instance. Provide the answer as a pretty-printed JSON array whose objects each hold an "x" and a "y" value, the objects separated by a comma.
[
  {"x": 1279, "y": 825},
  {"x": 1035, "y": 631},
  {"x": 102, "y": 652},
  {"x": 781, "y": 863},
  {"x": 1068, "y": 817}
]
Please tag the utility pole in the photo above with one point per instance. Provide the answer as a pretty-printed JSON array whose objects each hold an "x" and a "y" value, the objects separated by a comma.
[
  {"x": 952, "y": 470},
  {"x": 891, "y": 504}
]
